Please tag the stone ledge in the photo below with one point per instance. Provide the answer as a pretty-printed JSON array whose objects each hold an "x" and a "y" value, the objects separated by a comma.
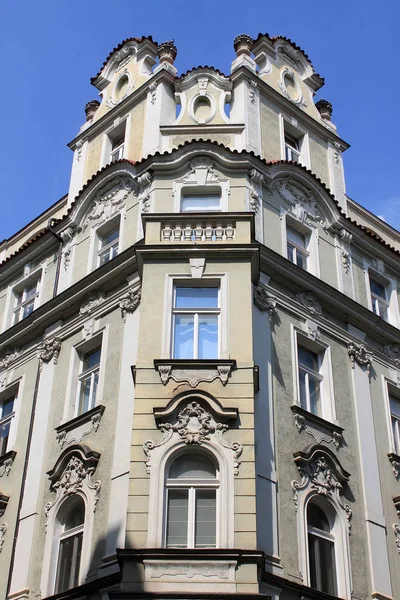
[
  {"x": 194, "y": 371},
  {"x": 319, "y": 426},
  {"x": 79, "y": 426}
]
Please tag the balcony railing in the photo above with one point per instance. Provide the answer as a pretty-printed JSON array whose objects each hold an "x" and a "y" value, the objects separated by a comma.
[{"x": 205, "y": 231}]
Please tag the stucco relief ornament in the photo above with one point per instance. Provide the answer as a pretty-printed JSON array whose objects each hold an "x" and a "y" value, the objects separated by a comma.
[
  {"x": 3, "y": 531},
  {"x": 359, "y": 354},
  {"x": 322, "y": 475},
  {"x": 49, "y": 350},
  {"x": 194, "y": 376},
  {"x": 108, "y": 198},
  {"x": 299, "y": 196},
  {"x": 264, "y": 301},
  {"x": 256, "y": 181},
  {"x": 252, "y": 91},
  {"x": 153, "y": 92},
  {"x": 310, "y": 302},
  {"x": 78, "y": 149},
  {"x": 6, "y": 466},
  {"x": 8, "y": 356},
  {"x": 92, "y": 301},
  {"x": 194, "y": 426},
  {"x": 144, "y": 182},
  {"x": 392, "y": 351},
  {"x": 67, "y": 237},
  {"x": 130, "y": 302},
  {"x": 396, "y": 529}
]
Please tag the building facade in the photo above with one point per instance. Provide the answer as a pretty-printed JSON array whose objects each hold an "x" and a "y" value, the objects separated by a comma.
[{"x": 200, "y": 349}]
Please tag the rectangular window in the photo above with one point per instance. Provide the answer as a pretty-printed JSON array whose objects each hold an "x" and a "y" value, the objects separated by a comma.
[
  {"x": 116, "y": 143},
  {"x": 292, "y": 148},
  {"x": 395, "y": 419},
  {"x": 191, "y": 520},
  {"x": 196, "y": 323},
  {"x": 6, "y": 415},
  {"x": 310, "y": 380},
  {"x": 200, "y": 202},
  {"x": 380, "y": 304},
  {"x": 297, "y": 251},
  {"x": 88, "y": 380},
  {"x": 26, "y": 300},
  {"x": 108, "y": 242}
]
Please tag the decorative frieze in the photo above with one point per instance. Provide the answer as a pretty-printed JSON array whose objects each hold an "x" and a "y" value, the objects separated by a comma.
[
  {"x": 299, "y": 196},
  {"x": 49, "y": 350},
  {"x": 110, "y": 197},
  {"x": 194, "y": 570},
  {"x": 263, "y": 300},
  {"x": 359, "y": 354},
  {"x": 193, "y": 372},
  {"x": 310, "y": 302},
  {"x": 318, "y": 428},
  {"x": 130, "y": 302},
  {"x": 92, "y": 301}
]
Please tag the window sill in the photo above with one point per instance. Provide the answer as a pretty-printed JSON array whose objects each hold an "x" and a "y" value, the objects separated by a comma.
[
  {"x": 6, "y": 461},
  {"x": 317, "y": 427},
  {"x": 195, "y": 370},
  {"x": 395, "y": 462},
  {"x": 74, "y": 430}
]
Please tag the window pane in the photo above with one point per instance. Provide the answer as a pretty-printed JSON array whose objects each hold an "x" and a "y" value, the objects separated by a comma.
[
  {"x": 75, "y": 516},
  {"x": 91, "y": 359},
  {"x": 30, "y": 291},
  {"x": 394, "y": 406},
  {"x": 7, "y": 408},
  {"x": 177, "y": 521},
  {"x": 377, "y": 288},
  {"x": 84, "y": 400},
  {"x": 192, "y": 466},
  {"x": 196, "y": 297},
  {"x": 199, "y": 202},
  {"x": 205, "y": 526},
  {"x": 183, "y": 336},
  {"x": 313, "y": 385},
  {"x": 290, "y": 253},
  {"x": 208, "y": 336},
  {"x": 27, "y": 309},
  {"x": 110, "y": 237},
  {"x": 301, "y": 260},
  {"x": 291, "y": 141},
  {"x": 69, "y": 558},
  {"x": 328, "y": 575},
  {"x": 308, "y": 359},
  {"x": 303, "y": 393},
  {"x": 317, "y": 518},
  {"x": 295, "y": 236},
  {"x": 77, "y": 559},
  {"x": 4, "y": 433}
]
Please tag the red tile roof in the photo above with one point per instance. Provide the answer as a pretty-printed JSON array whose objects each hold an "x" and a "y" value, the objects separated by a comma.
[{"x": 121, "y": 45}]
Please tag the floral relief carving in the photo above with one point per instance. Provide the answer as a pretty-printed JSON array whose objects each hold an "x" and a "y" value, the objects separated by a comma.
[
  {"x": 194, "y": 425},
  {"x": 191, "y": 571},
  {"x": 3, "y": 531},
  {"x": 256, "y": 181},
  {"x": 252, "y": 91},
  {"x": 346, "y": 239},
  {"x": 297, "y": 195},
  {"x": 396, "y": 529},
  {"x": 49, "y": 350},
  {"x": 310, "y": 302},
  {"x": 201, "y": 172},
  {"x": 130, "y": 302},
  {"x": 72, "y": 477},
  {"x": 8, "y": 356},
  {"x": 193, "y": 376},
  {"x": 264, "y": 301},
  {"x": 92, "y": 301},
  {"x": 153, "y": 92},
  {"x": 67, "y": 237},
  {"x": 359, "y": 354},
  {"x": 323, "y": 474},
  {"x": 144, "y": 183},
  {"x": 79, "y": 433},
  {"x": 108, "y": 198},
  {"x": 392, "y": 351}
]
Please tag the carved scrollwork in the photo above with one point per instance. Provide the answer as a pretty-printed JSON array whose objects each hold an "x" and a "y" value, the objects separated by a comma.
[
  {"x": 299, "y": 196},
  {"x": 310, "y": 302},
  {"x": 256, "y": 181},
  {"x": 130, "y": 302},
  {"x": 8, "y": 356},
  {"x": 92, "y": 301},
  {"x": 6, "y": 463},
  {"x": 184, "y": 372},
  {"x": 49, "y": 350},
  {"x": 359, "y": 354},
  {"x": 396, "y": 529},
  {"x": 3, "y": 531},
  {"x": 392, "y": 351},
  {"x": 263, "y": 300},
  {"x": 108, "y": 198}
]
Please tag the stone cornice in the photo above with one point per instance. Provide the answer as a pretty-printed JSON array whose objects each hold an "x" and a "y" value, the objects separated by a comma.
[
  {"x": 307, "y": 121},
  {"x": 200, "y": 130}
]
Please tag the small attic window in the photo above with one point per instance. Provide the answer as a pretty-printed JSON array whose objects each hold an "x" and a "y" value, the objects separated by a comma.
[
  {"x": 202, "y": 109},
  {"x": 117, "y": 142},
  {"x": 295, "y": 144},
  {"x": 121, "y": 88}
]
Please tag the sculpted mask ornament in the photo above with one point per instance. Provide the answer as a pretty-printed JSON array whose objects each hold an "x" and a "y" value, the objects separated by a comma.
[
  {"x": 194, "y": 425},
  {"x": 130, "y": 302},
  {"x": 49, "y": 350},
  {"x": 264, "y": 301},
  {"x": 8, "y": 356},
  {"x": 358, "y": 354},
  {"x": 92, "y": 301},
  {"x": 392, "y": 351},
  {"x": 310, "y": 302}
]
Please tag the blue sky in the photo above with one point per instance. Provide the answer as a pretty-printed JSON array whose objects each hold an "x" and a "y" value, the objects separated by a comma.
[{"x": 50, "y": 49}]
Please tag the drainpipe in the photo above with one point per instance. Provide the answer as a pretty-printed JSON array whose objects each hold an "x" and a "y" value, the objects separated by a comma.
[
  {"x": 21, "y": 494},
  {"x": 59, "y": 238}
]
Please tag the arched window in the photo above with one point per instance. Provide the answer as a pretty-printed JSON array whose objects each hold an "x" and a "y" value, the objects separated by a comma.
[
  {"x": 321, "y": 548},
  {"x": 71, "y": 518},
  {"x": 192, "y": 486}
]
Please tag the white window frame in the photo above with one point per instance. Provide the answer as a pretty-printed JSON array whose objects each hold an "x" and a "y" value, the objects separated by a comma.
[
  {"x": 196, "y": 314},
  {"x": 95, "y": 236},
  {"x": 219, "y": 280},
  {"x": 297, "y": 248},
  {"x": 200, "y": 187},
  {"x": 62, "y": 535},
  {"x": 327, "y": 400},
  {"x": 192, "y": 486},
  {"x": 31, "y": 276},
  {"x": 84, "y": 375},
  {"x": 199, "y": 193},
  {"x": 114, "y": 224},
  {"x": 13, "y": 390},
  {"x": 390, "y": 286},
  {"x": 98, "y": 339},
  {"x": 290, "y": 126},
  {"x": 110, "y": 134},
  {"x": 391, "y": 388},
  {"x": 289, "y": 220}
]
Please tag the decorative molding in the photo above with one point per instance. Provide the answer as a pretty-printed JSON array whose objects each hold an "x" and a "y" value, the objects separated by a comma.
[
  {"x": 396, "y": 502},
  {"x": 317, "y": 427},
  {"x": 92, "y": 301},
  {"x": 197, "y": 570},
  {"x": 3, "y": 531},
  {"x": 108, "y": 198},
  {"x": 299, "y": 196},
  {"x": 309, "y": 301},
  {"x": 197, "y": 266},
  {"x": 6, "y": 462},
  {"x": 67, "y": 237},
  {"x": 252, "y": 91},
  {"x": 116, "y": 99},
  {"x": 263, "y": 300},
  {"x": 193, "y": 426},
  {"x": 322, "y": 473},
  {"x": 78, "y": 150},
  {"x": 194, "y": 371},
  {"x": 395, "y": 462},
  {"x": 143, "y": 191},
  {"x": 396, "y": 529},
  {"x": 299, "y": 100},
  {"x": 359, "y": 354},
  {"x": 49, "y": 350},
  {"x": 130, "y": 302},
  {"x": 3, "y": 503},
  {"x": 153, "y": 91},
  {"x": 3, "y": 380},
  {"x": 346, "y": 239},
  {"x": 392, "y": 351},
  {"x": 8, "y": 356},
  {"x": 71, "y": 473},
  {"x": 73, "y": 431},
  {"x": 256, "y": 194},
  {"x": 201, "y": 172}
]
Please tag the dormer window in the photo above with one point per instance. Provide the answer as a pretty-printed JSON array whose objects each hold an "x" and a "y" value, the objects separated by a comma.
[
  {"x": 292, "y": 148},
  {"x": 114, "y": 147},
  {"x": 117, "y": 148},
  {"x": 295, "y": 143}
]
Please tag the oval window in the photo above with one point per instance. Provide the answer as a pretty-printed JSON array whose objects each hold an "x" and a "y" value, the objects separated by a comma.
[
  {"x": 121, "y": 88},
  {"x": 202, "y": 109},
  {"x": 290, "y": 85}
]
